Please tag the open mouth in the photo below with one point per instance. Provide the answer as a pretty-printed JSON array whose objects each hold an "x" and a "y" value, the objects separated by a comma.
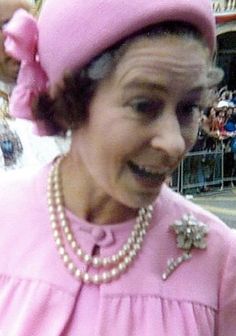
[{"x": 146, "y": 173}]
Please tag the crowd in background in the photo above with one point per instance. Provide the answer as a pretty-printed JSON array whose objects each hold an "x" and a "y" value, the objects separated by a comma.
[
  {"x": 218, "y": 122},
  {"x": 213, "y": 157}
]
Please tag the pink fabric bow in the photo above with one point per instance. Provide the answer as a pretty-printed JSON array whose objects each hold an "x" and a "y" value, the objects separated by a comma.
[{"x": 21, "y": 37}]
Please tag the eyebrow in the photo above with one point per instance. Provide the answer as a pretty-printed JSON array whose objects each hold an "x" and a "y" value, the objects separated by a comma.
[
  {"x": 142, "y": 84},
  {"x": 196, "y": 91}
]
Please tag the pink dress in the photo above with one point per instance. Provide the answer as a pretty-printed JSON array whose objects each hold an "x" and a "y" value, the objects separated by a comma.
[{"x": 38, "y": 297}]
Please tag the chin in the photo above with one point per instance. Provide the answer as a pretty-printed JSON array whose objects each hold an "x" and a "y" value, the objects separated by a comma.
[{"x": 141, "y": 199}]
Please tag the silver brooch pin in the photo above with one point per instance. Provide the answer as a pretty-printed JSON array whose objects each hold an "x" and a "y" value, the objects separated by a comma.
[{"x": 190, "y": 234}]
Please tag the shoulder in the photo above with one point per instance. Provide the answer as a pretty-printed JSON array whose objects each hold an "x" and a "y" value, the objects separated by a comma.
[
  {"x": 21, "y": 187},
  {"x": 23, "y": 205},
  {"x": 174, "y": 206},
  {"x": 178, "y": 204}
]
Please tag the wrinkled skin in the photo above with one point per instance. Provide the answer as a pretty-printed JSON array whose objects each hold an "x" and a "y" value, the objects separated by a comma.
[{"x": 9, "y": 67}]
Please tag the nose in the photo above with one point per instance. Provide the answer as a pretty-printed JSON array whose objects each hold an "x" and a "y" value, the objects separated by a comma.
[{"x": 168, "y": 138}]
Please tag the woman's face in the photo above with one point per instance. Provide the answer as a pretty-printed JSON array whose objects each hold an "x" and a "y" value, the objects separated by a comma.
[
  {"x": 212, "y": 112},
  {"x": 222, "y": 114},
  {"x": 143, "y": 119},
  {"x": 229, "y": 112}
]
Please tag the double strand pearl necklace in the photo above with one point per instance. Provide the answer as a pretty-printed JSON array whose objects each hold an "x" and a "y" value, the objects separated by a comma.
[{"x": 113, "y": 266}]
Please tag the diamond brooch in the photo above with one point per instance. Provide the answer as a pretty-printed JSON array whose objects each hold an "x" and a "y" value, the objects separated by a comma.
[{"x": 190, "y": 234}]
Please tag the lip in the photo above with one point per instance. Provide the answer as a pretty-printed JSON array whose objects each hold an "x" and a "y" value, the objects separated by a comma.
[{"x": 144, "y": 175}]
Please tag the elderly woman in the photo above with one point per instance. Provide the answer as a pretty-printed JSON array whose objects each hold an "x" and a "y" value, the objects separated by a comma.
[{"x": 95, "y": 243}]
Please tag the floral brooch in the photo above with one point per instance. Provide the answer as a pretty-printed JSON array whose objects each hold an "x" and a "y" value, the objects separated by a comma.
[{"x": 190, "y": 234}]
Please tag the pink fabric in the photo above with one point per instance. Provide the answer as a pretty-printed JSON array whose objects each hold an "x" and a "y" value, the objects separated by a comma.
[
  {"x": 75, "y": 31},
  {"x": 22, "y": 36},
  {"x": 71, "y": 33},
  {"x": 38, "y": 297},
  {"x": 21, "y": 43}
]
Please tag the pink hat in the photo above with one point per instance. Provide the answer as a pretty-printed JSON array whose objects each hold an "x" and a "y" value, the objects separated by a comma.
[{"x": 71, "y": 33}]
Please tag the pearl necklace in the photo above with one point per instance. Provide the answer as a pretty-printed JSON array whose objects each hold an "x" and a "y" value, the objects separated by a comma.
[{"x": 112, "y": 266}]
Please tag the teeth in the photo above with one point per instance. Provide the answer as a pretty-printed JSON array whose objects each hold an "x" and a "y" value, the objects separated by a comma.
[{"x": 148, "y": 169}]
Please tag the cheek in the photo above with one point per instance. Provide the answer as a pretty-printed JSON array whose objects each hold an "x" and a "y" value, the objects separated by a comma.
[
  {"x": 118, "y": 136},
  {"x": 190, "y": 135}
]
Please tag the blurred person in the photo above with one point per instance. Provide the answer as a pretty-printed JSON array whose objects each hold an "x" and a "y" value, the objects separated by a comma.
[
  {"x": 36, "y": 151},
  {"x": 233, "y": 99},
  {"x": 8, "y": 66}
]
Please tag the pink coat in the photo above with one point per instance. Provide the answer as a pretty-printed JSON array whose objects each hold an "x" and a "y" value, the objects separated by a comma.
[{"x": 38, "y": 297}]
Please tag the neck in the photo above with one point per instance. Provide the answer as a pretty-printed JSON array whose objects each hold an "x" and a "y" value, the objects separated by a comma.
[{"x": 88, "y": 201}]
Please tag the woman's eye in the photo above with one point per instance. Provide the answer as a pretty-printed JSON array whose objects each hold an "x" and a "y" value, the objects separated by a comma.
[
  {"x": 147, "y": 107},
  {"x": 3, "y": 23},
  {"x": 186, "y": 112}
]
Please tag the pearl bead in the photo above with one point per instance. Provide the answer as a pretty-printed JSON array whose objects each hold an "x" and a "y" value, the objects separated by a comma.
[
  {"x": 66, "y": 229},
  {"x": 57, "y": 201},
  {"x": 96, "y": 262},
  {"x": 69, "y": 237},
  {"x": 60, "y": 208},
  {"x": 164, "y": 276},
  {"x": 57, "y": 190},
  {"x": 127, "y": 260},
  {"x": 114, "y": 258},
  {"x": 122, "y": 267},
  {"x": 87, "y": 258},
  {"x": 79, "y": 252},
  {"x": 137, "y": 227},
  {"x": 133, "y": 234},
  {"x": 126, "y": 247},
  {"x": 132, "y": 254},
  {"x": 54, "y": 225},
  {"x": 142, "y": 211},
  {"x": 56, "y": 234},
  {"x": 106, "y": 276},
  {"x": 139, "y": 240},
  {"x": 63, "y": 222},
  {"x": 61, "y": 251},
  {"x": 137, "y": 247},
  {"x": 96, "y": 279},
  {"x": 61, "y": 216},
  {"x": 52, "y": 217},
  {"x": 145, "y": 226},
  {"x": 65, "y": 258},
  {"x": 121, "y": 254},
  {"x": 58, "y": 241},
  {"x": 55, "y": 177},
  {"x": 142, "y": 233},
  {"x": 51, "y": 210},
  {"x": 114, "y": 272},
  {"x": 71, "y": 266},
  {"x": 77, "y": 273},
  {"x": 130, "y": 241},
  {"x": 50, "y": 202},
  {"x": 105, "y": 261},
  {"x": 86, "y": 278},
  {"x": 73, "y": 244}
]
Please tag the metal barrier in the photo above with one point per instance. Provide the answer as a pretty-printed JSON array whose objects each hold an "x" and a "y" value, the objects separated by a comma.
[
  {"x": 222, "y": 6},
  {"x": 201, "y": 170}
]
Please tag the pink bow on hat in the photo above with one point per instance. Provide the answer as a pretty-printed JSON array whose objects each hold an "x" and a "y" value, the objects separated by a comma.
[{"x": 21, "y": 37}]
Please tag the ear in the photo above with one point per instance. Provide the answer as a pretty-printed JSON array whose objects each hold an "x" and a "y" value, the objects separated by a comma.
[{"x": 214, "y": 77}]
